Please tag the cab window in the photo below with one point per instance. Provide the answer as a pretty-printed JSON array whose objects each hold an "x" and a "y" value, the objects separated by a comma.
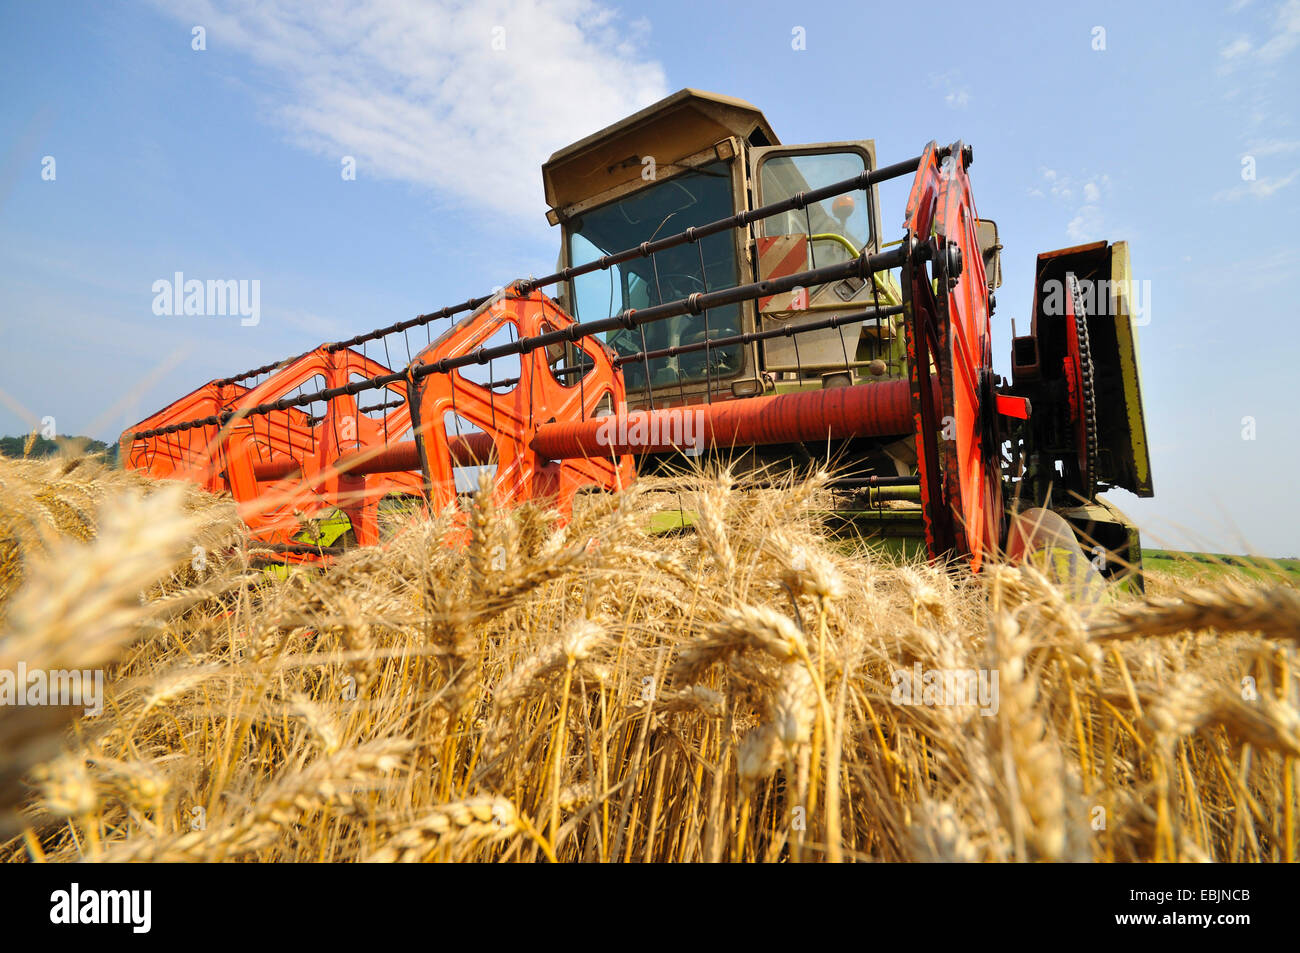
[
  {"x": 696, "y": 197},
  {"x": 839, "y": 226}
]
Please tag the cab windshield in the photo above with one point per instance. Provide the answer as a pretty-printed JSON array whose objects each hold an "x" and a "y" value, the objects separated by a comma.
[{"x": 697, "y": 197}]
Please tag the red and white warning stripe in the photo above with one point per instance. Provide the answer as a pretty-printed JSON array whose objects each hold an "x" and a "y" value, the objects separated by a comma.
[{"x": 778, "y": 257}]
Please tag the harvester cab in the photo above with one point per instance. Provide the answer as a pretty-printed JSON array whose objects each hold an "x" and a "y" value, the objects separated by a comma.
[
  {"x": 718, "y": 292},
  {"x": 691, "y": 160}
]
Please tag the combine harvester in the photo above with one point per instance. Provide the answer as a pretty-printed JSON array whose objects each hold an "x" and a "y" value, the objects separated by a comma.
[{"x": 718, "y": 293}]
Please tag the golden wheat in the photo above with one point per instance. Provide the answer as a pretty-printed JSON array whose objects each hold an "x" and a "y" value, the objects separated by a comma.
[{"x": 595, "y": 692}]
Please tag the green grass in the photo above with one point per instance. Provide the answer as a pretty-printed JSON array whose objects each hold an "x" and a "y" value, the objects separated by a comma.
[
  {"x": 1175, "y": 562},
  {"x": 671, "y": 521},
  {"x": 1192, "y": 564}
]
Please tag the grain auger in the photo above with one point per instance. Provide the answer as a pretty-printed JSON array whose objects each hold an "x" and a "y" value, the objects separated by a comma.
[{"x": 737, "y": 301}]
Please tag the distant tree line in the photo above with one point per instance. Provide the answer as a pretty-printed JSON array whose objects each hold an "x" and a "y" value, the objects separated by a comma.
[{"x": 44, "y": 447}]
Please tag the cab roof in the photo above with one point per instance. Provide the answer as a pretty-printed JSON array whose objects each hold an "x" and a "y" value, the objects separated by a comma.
[{"x": 675, "y": 127}]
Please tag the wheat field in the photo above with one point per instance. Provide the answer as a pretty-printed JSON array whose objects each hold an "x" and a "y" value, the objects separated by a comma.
[{"x": 594, "y": 692}]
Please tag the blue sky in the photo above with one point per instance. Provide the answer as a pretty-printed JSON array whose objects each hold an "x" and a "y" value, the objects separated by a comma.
[{"x": 225, "y": 163}]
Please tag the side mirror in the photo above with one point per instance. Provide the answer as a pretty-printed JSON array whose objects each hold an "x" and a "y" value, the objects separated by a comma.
[{"x": 991, "y": 249}]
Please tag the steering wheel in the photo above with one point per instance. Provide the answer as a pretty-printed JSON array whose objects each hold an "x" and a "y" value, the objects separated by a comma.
[
  {"x": 624, "y": 341},
  {"x": 673, "y": 286},
  {"x": 680, "y": 284}
]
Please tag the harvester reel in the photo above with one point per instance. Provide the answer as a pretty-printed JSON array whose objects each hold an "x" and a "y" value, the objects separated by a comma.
[
  {"x": 551, "y": 435},
  {"x": 948, "y": 334}
]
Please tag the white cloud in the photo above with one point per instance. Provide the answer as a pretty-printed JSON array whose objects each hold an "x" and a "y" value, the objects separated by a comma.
[
  {"x": 416, "y": 92},
  {"x": 1282, "y": 37},
  {"x": 956, "y": 94},
  {"x": 1238, "y": 47},
  {"x": 1272, "y": 147},
  {"x": 1267, "y": 268},
  {"x": 1261, "y": 188},
  {"x": 1086, "y": 224},
  {"x": 1287, "y": 32},
  {"x": 1086, "y": 220}
]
